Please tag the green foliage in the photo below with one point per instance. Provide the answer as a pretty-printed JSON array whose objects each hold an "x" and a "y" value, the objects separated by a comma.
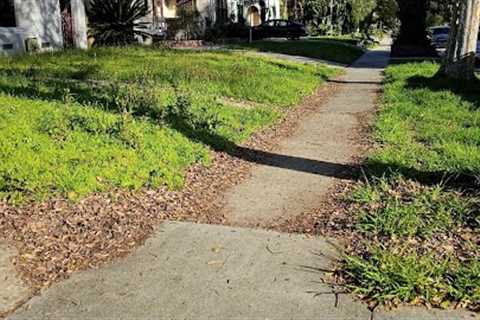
[
  {"x": 81, "y": 122},
  {"x": 116, "y": 22},
  {"x": 402, "y": 277},
  {"x": 361, "y": 9},
  {"x": 440, "y": 12},
  {"x": 401, "y": 208},
  {"x": 346, "y": 16},
  {"x": 419, "y": 212}
]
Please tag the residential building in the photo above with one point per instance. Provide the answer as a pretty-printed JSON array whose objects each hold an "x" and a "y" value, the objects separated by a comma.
[
  {"x": 252, "y": 12},
  {"x": 36, "y": 25}
]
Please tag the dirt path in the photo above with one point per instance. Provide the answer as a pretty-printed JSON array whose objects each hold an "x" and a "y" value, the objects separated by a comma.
[{"x": 305, "y": 167}]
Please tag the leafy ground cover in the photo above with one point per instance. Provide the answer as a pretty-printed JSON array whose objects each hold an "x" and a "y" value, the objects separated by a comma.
[
  {"x": 418, "y": 214},
  {"x": 78, "y": 122},
  {"x": 331, "y": 50}
]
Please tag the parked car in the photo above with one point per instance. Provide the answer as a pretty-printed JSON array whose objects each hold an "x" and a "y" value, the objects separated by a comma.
[
  {"x": 279, "y": 29},
  {"x": 439, "y": 36}
]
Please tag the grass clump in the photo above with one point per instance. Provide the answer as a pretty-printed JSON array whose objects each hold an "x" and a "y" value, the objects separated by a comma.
[
  {"x": 393, "y": 278},
  {"x": 418, "y": 214},
  {"x": 404, "y": 208},
  {"x": 336, "y": 51},
  {"x": 78, "y": 122}
]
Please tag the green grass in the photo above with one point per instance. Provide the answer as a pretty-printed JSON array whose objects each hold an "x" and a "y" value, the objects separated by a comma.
[
  {"x": 427, "y": 125},
  {"x": 336, "y": 51},
  {"x": 418, "y": 214},
  {"x": 348, "y": 39},
  {"x": 399, "y": 208},
  {"x": 203, "y": 73},
  {"x": 392, "y": 278},
  {"x": 78, "y": 122},
  {"x": 49, "y": 148}
]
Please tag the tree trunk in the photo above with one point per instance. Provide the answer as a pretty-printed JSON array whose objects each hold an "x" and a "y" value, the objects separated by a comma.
[
  {"x": 462, "y": 43},
  {"x": 412, "y": 40}
]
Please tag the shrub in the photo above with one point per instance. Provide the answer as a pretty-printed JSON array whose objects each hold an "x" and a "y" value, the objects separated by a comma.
[{"x": 116, "y": 22}]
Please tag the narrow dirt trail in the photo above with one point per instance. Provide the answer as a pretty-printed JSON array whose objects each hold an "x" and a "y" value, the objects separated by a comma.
[{"x": 301, "y": 172}]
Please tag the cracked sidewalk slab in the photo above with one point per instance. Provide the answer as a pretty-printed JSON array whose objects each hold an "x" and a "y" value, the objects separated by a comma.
[
  {"x": 12, "y": 289},
  {"x": 193, "y": 271}
]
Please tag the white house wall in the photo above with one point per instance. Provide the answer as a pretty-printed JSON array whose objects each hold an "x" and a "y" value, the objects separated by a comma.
[
  {"x": 42, "y": 19},
  {"x": 34, "y": 18},
  {"x": 79, "y": 18}
]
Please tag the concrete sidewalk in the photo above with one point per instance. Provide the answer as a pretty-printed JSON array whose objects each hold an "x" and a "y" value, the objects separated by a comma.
[
  {"x": 190, "y": 271},
  {"x": 300, "y": 173}
]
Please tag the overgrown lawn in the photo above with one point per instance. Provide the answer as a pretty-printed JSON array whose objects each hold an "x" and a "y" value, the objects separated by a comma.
[
  {"x": 418, "y": 214},
  {"x": 78, "y": 122}
]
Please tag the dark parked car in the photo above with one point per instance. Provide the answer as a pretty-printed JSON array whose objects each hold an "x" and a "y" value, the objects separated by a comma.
[
  {"x": 279, "y": 29},
  {"x": 439, "y": 36}
]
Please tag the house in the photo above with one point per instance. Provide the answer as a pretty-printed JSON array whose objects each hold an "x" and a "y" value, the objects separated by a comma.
[
  {"x": 38, "y": 25},
  {"x": 252, "y": 12}
]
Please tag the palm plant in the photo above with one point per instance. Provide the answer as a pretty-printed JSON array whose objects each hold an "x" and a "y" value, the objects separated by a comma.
[{"x": 116, "y": 22}]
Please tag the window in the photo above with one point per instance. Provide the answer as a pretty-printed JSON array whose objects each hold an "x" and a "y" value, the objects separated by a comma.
[
  {"x": 7, "y": 13},
  {"x": 438, "y": 31}
]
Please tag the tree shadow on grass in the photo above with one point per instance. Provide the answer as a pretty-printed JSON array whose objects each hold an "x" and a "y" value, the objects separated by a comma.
[
  {"x": 468, "y": 91},
  {"x": 60, "y": 90},
  {"x": 454, "y": 179}
]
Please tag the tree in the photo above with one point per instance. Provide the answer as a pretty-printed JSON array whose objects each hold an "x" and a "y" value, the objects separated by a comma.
[
  {"x": 440, "y": 12},
  {"x": 346, "y": 16},
  {"x": 412, "y": 39},
  {"x": 460, "y": 60}
]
